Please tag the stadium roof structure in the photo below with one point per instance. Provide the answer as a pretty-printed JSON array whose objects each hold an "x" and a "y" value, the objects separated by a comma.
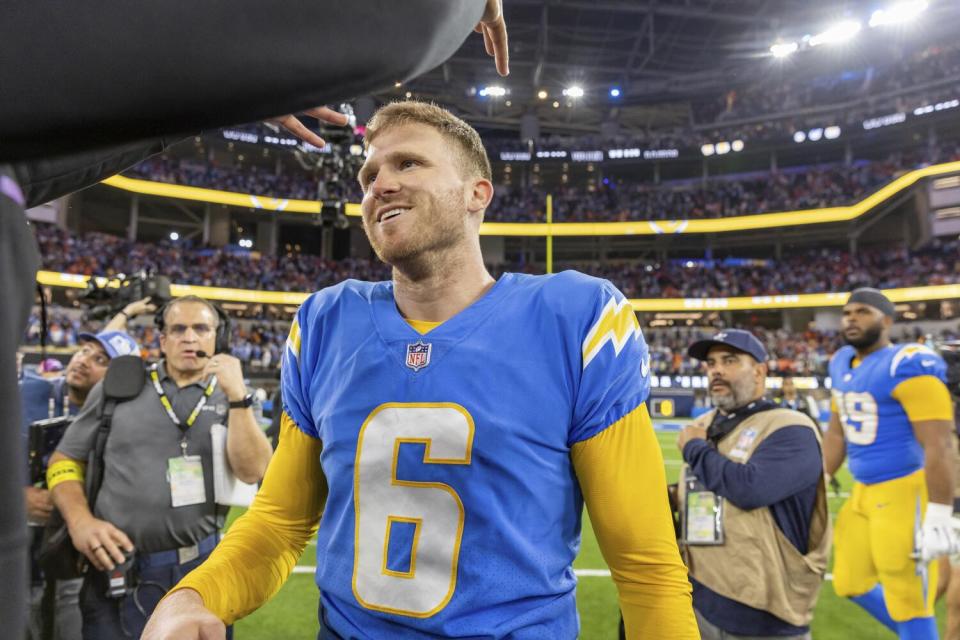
[{"x": 658, "y": 55}]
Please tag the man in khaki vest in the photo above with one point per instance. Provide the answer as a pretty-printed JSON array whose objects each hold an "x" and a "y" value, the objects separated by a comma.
[{"x": 753, "y": 508}]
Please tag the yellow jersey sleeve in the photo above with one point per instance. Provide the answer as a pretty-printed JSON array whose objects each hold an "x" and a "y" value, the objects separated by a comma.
[
  {"x": 621, "y": 474},
  {"x": 259, "y": 552},
  {"x": 924, "y": 398}
]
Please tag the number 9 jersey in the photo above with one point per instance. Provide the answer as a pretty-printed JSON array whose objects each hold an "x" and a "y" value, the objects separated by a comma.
[
  {"x": 874, "y": 401},
  {"x": 453, "y": 508}
]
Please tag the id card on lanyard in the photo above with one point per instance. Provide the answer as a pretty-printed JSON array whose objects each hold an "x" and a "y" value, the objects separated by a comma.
[
  {"x": 185, "y": 472},
  {"x": 703, "y": 513}
]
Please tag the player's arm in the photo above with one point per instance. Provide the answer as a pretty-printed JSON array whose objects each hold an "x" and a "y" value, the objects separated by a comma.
[
  {"x": 261, "y": 548},
  {"x": 927, "y": 403},
  {"x": 621, "y": 474},
  {"x": 834, "y": 446},
  {"x": 928, "y": 406}
]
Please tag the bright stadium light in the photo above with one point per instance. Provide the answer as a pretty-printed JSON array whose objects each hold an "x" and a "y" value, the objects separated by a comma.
[
  {"x": 174, "y": 236},
  {"x": 831, "y": 133},
  {"x": 707, "y": 149},
  {"x": 615, "y": 92},
  {"x": 722, "y": 148},
  {"x": 573, "y": 91},
  {"x": 783, "y": 49},
  {"x": 542, "y": 94},
  {"x": 814, "y": 135},
  {"x": 493, "y": 91},
  {"x": 899, "y": 13},
  {"x": 840, "y": 32},
  {"x": 737, "y": 146},
  {"x": 799, "y": 137}
]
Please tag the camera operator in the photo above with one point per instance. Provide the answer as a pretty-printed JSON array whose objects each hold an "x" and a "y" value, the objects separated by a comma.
[
  {"x": 156, "y": 499},
  {"x": 53, "y": 607}
]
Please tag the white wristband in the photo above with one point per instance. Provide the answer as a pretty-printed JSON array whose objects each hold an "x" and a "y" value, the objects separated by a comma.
[{"x": 938, "y": 513}]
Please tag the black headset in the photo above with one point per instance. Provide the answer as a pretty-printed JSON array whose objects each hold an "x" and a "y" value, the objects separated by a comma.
[{"x": 224, "y": 325}]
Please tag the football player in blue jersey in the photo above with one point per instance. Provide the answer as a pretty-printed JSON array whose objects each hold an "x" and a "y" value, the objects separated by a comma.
[
  {"x": 892, "y": 416},
  {"x": 449, "y": 428}
]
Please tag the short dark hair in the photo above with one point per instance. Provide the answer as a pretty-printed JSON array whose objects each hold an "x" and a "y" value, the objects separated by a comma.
[{"x": 188, "y": 298}]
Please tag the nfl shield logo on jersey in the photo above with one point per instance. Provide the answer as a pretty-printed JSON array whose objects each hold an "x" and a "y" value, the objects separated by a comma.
[{"x": 418, "y": 355}]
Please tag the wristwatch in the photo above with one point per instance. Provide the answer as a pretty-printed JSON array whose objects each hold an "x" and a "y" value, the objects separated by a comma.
[{"x": 244, "y": 403}]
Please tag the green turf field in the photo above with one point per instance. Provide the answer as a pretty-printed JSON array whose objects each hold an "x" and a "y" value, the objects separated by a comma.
[{"x": 292, "y": 613}]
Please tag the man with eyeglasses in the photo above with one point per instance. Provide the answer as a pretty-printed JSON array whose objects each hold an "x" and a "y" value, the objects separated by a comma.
[
  {"x": 157, "y": 495},
  {"x": 54, "y": 610}
]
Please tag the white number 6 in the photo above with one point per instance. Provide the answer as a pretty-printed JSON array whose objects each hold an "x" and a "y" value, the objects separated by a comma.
[{"x": 434, "y": 508}]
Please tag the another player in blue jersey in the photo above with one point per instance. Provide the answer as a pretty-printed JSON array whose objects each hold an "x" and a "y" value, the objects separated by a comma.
[
  {"x": 892, "y": 416},
  {"x": 449, "y": 428}
]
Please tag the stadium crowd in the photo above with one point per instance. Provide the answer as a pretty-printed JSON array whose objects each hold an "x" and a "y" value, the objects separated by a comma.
[
  {"x": 804, "y": 271},
  {"x": 809, "y": 271},
  {"x": 256, "y": 344},
  {"x": 326, "y": 181},
  {"x": 259, "y": 344},
  {"x": 720, "y": 196},
  {"x": 107, "y": 255},
  {"x": 789, "y": 189},
  {"x": 798, "y": 353}
]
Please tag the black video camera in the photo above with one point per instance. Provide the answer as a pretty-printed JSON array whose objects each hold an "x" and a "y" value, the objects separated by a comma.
[
  {"x": 107, "y": 298},
  {"x": 44, "y": 436}
]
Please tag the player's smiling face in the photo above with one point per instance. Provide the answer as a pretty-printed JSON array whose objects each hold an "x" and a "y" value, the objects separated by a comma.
[{"x": 414, "y": 196}]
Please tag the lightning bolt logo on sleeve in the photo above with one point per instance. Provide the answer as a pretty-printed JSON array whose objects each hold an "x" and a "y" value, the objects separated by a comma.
[
  {"x": 908, "y": 351},
  {"x": 293, "y": 340},
  {"x": 617, "y": 324}
]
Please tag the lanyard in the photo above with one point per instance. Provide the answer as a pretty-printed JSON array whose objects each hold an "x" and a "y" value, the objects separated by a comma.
[
  {"x": 52, "y": 403},
  {"x": 165, "y": 401}
]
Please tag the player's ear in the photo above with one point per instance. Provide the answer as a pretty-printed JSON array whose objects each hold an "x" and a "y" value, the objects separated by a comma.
[
  {"x": 480, "y": 195},
  {"x": 761, "y": 370}
]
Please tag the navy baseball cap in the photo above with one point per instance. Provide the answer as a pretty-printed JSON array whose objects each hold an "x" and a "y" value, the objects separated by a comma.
[
  {"x": 115, "y": 343},
  {"x": 735, "y": 338}
]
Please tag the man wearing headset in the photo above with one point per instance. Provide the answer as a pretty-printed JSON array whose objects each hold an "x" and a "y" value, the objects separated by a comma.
[{"x": 156, "y": 499}]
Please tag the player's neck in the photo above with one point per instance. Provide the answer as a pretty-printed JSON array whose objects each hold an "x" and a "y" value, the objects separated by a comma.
[{"x": 437, "y": 291}]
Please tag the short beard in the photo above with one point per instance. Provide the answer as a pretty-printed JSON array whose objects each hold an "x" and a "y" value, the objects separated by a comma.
[
  {"x": 427, "y": 253},
  {"x": 869, "y": 338},
  {"x": 741, "y": 393},
  {"x": 78, "y": 392}
]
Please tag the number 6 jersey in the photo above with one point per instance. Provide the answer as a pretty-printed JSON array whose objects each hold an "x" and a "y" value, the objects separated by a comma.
[
  {"x": 453, "y": 508},
  {"x": 878, "y": 399}
]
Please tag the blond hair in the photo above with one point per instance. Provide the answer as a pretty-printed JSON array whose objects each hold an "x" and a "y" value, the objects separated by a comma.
[{"x": 473, "y": 156}]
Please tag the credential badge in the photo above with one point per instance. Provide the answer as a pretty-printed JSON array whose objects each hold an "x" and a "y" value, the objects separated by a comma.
[{"x": 418, "y": 354}]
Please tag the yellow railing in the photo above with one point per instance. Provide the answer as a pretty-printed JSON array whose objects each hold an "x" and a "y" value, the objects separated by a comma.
[
  {"x": 743, "y": 303},
  {"x": 543, "y": 229}
]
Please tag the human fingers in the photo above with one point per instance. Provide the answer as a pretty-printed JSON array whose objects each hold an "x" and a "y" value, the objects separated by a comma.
[
  {"x": 328, "y": 115},
  {"x": 297, "y": 128},
  {"x": 497, "y": 34}
]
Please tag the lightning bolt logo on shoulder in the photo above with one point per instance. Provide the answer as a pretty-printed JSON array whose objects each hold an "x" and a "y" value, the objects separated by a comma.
[{"x": 616, "y": 324}]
